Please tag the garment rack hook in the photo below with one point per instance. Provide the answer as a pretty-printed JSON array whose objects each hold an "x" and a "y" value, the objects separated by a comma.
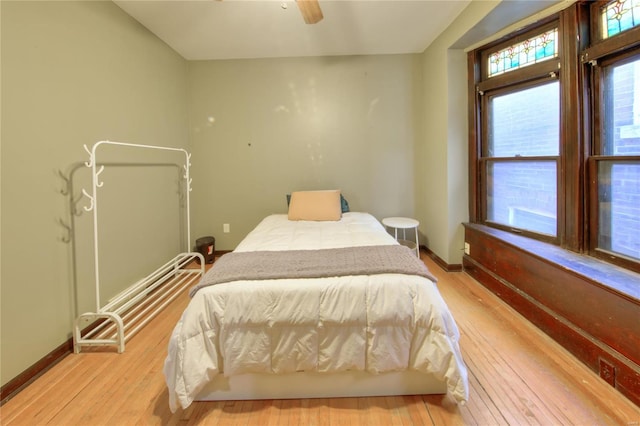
[
  {"x": 90, "y": 200},
  {"x": 90, "y": 162},
  {"x": 99, "y": 183}
]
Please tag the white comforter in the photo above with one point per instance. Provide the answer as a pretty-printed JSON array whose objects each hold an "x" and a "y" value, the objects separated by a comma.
[{"x": 378, "y": 323}]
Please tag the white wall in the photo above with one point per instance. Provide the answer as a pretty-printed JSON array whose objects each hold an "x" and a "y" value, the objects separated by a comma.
[
  {"x": 73, "y": 73},
  {"x": 441, "y": 158},
  {"x": 260, "y": 129}
]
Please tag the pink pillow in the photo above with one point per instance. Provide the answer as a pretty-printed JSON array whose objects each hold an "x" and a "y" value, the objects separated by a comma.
[{"x": 315, "y": 205}]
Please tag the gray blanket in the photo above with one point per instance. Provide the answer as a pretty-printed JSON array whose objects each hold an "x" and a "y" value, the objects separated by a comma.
[{"x": 267, "y": 265}]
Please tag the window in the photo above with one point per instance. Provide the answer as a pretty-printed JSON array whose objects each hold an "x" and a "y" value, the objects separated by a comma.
[
  {"x": 521, "y": 158},
  {"x": 613, "y": 171},
  {"x": 616, "y": 160},
  {"x": 555, "y": 140},
  {"x": 520, "y": 148},
  {"x": 618, "y": 201}
]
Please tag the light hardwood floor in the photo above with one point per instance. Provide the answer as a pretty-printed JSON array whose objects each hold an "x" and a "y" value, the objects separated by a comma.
[{"x": 517, "y": 376}]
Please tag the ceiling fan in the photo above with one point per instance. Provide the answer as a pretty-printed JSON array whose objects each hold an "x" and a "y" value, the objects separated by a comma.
[
  {"x": 310, "y": 9},
  {"x": 311, "y": 12}
]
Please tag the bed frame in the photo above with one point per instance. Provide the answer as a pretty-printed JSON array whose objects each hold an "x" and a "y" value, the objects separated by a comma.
[
  {"x": 320, "y": 385},
  {"x": 125, "y": 314}
]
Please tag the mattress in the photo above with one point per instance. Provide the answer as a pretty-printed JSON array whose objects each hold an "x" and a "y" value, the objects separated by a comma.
[{"x": 367, "y": 323}]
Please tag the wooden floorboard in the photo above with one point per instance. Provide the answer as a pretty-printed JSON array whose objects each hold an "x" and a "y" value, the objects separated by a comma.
[{"x": 517, "y": 376}]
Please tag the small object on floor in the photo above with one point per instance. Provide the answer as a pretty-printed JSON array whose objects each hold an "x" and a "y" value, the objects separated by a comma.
[{"x": 206, "y": 246}]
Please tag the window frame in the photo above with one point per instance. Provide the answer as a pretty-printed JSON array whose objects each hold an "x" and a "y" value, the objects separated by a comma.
[
  {"x": 520, "y": 75},
  {"x": 539, "y": 77},
  {"x": 483, "y": 87},
  {"x": 582, "y": 53},
  {"x": 601, "y": 46},
  {"x": 596, "y": 155},
  {"x": 594, "y": 217}
]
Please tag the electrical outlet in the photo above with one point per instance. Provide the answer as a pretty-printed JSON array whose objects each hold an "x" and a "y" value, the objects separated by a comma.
[
  {"x": 226, "y": 228},
  {"x": 467, "y": 248}
]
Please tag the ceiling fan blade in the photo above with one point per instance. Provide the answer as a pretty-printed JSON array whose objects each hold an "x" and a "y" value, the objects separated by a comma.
[{"x": 310, "y": 10}]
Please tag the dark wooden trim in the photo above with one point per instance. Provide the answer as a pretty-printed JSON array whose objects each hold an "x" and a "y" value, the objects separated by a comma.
[
  {"x": 572, "y": 142},
  {"x": 473, "y": 115},
  {"x": 14, "y": 386},
  {"x": 595, "y": 26},
  {"x": 616, "y": 44},
  {"x": 588, "y": 306},
  {"x": 524, "y": 75},
  {"x": 440, "y": 262}
]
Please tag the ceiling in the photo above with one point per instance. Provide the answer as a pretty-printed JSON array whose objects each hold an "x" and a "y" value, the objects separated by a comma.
[
  {"x": 232, "y": 29},
  {"x": 239, "y": 29}
]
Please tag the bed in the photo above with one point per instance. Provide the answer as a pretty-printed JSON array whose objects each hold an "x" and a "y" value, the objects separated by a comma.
[{"x": 323, "y": 328}]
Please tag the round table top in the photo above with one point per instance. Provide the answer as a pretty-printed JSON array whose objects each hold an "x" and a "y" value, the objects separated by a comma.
[{"x": 400, "y": 222}]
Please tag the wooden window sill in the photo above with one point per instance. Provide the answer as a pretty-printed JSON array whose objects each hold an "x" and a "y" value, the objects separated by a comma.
[{"x": 610, "y": 277}]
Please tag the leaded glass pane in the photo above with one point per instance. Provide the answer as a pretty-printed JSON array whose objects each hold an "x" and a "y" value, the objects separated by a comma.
[
  {"x": 619, "y": 16},
  {"x": 536, "y": 49}
]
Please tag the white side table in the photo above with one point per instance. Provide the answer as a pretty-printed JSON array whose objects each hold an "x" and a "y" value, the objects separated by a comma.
[{"x": 404, "y": 223}]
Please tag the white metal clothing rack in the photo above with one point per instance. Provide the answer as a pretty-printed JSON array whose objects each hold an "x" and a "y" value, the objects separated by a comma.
[{"x": 133, "y": 308}]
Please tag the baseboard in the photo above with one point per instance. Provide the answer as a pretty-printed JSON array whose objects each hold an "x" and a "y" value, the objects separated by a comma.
[
  {"x": 440, "y": 262},
  {"x": 14, "y": 386},
  {"x": 576, "y": 300},
  {"x": 622, "y": 374}
]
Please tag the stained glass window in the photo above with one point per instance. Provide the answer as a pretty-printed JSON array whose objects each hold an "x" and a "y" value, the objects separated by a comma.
[
  {"x": 619, "y": 16},
  {"x": 536, "y": 49}
]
